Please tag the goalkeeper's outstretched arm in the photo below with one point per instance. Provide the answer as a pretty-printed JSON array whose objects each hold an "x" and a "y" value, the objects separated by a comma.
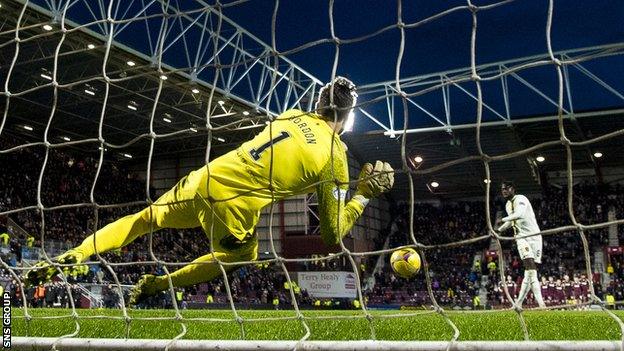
[{"x": 338, "y": 217}]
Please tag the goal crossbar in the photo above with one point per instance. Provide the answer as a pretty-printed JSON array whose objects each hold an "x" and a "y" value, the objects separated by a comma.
[{"x": 69, "y": 344}]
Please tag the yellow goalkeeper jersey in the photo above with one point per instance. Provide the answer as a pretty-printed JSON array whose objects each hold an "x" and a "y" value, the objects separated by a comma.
[{"x": 291, "y": 156}]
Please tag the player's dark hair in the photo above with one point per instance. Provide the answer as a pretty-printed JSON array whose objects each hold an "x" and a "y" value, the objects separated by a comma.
[
  {"x": 345, "y": 97},
  {"x": 508, "y": 183}
]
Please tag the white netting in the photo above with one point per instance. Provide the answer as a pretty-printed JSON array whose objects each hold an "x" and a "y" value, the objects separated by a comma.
[{"x": 255, "y": 78}]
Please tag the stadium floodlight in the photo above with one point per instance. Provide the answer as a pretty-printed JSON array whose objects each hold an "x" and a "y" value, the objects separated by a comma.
[
  {"x": 418, "y": 159},
  {"x": 46, "y": 76},
  {"x": 597, "y": 154},
  {"x": 195, "y": 91},
  {"x": 166, "y": 120},
  {"x": 28, "y": 128},
  {"x": 434, "y": 184},
  {"x": 130, "y": 63},
  {"x": 66, "y": 138},
  {"x": 91, "y": 46},
  {"x": 47, "y": 27},
  {"x": 245, "y": 113},
  {"x": 348, "y": 126},
  {"x": 90, "y": 92},
  {"x": 540, "y": 159},
  {"x": 133, "y": 106}
]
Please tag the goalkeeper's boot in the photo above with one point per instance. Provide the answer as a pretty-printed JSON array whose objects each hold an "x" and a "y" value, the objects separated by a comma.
[
  {"x": 145, "y": 287},
  {"x": 43, "y": 271}
]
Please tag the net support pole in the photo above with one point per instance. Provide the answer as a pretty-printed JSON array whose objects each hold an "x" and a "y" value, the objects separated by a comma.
[{"x": 33, "y": 344}]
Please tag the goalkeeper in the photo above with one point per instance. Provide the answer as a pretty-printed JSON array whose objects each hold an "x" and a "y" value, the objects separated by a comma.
[{"x": 300, "y": 153}]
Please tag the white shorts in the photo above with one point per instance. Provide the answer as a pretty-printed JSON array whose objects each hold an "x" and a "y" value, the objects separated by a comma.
[{"x": 530, "y": 247}]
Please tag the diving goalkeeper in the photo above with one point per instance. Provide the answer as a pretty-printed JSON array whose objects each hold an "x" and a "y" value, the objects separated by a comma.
[{"x": 300, "y": 153}]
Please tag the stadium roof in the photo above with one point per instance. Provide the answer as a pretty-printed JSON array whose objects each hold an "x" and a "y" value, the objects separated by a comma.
[
  {"x": 148, "y": 79},
  {"x": 520, "y": 84}
]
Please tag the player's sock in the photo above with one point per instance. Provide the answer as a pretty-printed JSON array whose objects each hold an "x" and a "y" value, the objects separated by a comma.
[
  {"x": 202, "y": 269},
  {"x": 114, "y": 235},
  {"x": 524, "y": 289},
  {"x": 536, "y": 288}
]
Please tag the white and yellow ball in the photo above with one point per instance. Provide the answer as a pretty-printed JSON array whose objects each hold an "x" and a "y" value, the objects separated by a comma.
[{"x": 405, "y": 262}]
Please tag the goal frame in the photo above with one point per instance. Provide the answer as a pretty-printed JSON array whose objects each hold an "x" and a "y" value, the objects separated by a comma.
[{"x": 71, "y": 344}]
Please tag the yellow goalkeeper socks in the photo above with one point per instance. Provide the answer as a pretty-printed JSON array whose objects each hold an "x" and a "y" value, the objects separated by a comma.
[
  {"x": 115, "y": 235},
  {"x": 204, "y": 268}
]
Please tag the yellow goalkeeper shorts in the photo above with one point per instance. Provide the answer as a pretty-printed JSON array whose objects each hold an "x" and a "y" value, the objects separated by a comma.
[{"x": 183, "y": 207}]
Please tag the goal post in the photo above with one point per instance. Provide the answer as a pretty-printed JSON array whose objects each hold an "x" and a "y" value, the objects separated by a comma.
[{"x": 37, "y": 344}]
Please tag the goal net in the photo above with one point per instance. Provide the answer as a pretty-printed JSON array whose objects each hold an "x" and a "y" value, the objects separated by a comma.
[{"x": 95, "y": 95}]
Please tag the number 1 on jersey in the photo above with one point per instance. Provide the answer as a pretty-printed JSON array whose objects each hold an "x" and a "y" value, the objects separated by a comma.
[{"x": 255, "y": 153}]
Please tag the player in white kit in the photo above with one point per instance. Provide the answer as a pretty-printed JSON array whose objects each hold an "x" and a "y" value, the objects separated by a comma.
[{"x": 521, "y": 218}]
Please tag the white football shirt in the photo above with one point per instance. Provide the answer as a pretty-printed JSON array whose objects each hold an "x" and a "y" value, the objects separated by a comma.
[{"x": 520, "y": 216}]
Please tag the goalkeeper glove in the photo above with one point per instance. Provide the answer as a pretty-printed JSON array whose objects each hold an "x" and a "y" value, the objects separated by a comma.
[
  {"x": 374, "y": 181},
  {"x": 43, "y": 271}
]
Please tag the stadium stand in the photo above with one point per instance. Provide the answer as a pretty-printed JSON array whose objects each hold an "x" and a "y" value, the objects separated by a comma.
[{"x": 462, "y": 277}]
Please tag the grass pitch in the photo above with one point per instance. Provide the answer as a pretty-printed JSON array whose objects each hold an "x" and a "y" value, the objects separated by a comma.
[{"x": 324, "y": 325}]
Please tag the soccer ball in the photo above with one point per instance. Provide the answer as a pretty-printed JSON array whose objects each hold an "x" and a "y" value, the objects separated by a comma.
[{"x": 405, "y": 262}]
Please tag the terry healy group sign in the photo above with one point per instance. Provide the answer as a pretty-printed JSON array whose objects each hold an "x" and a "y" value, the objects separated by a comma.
[{"x": 328, "y": 284}]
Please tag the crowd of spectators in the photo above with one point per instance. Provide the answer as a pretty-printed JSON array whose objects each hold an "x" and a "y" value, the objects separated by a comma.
[
  {"x": 453, "y": 280},
  {"x": 615, "y": 269},
  {"x": 52, "y": 294},
  {"x": 456, "y": 274},
  {"x": 68, "y": 179},
  {"x": 563, "y": 253},
  {"x": 556, "y": 291}
]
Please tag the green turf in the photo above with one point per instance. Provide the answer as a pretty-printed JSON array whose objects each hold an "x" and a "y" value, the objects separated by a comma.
[{"x": 500, "y": 325}]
